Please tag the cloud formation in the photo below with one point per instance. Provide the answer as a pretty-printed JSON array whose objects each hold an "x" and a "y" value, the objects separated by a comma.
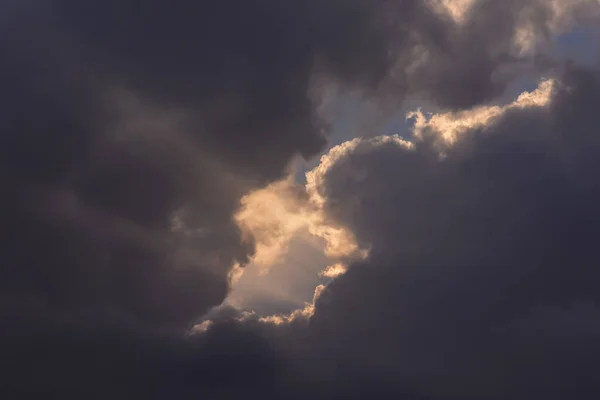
[
  {"x": 144, "y": 151},
  {"x": 471, "y": 252},
  {"x": 273, "y": 215},
  {"x": 481, "y": 279}
]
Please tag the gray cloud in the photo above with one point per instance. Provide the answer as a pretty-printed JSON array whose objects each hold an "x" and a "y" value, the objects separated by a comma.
[
  {"x": 469, "y": 250},
  {"x": 130, "y": 134},
  {"x": 119, "y": 119}
]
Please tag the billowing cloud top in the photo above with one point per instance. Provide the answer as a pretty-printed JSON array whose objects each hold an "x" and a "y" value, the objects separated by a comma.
[{"x": 146, "y": 159}]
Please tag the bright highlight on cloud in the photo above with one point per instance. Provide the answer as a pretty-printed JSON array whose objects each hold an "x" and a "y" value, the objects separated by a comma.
[
  {"x": 273, "y": 215},
  {"x": 304, "y": 313},
  {"x": 450, "y": 125},
  {"x": 278, "y": 219},
  {"x": 315, "y": 179},
  {"x": 333, "y": 271},
  {"x": 456, "y": 9}
]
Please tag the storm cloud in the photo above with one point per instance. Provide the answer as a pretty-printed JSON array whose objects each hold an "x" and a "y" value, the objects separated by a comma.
[
  {"x": 133, "y": 136},
  {"x": 482, "y": 275}
]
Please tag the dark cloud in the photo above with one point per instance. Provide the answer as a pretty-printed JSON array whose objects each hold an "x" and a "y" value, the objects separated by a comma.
[
  {"x": 90, "y": 356},
  {"x": 482, "y": 279},
  {"x": 130, "y": 133},
  {"x": 120, "y": 122}
]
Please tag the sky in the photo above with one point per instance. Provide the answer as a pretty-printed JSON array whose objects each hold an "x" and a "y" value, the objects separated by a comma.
[{"x": 309, "y": 199}]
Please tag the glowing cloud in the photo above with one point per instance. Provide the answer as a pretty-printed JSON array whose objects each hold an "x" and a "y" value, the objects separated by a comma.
[
  {"x": 457, "y": 10},
  {"x": 333, "y": 271},
  {"x": 450, "y": 125},
  {"x": 272, "y": 216},
  {"x": 303, "y": 313}
]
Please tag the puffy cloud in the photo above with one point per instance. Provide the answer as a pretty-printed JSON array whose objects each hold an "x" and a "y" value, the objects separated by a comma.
[
  {"x": 294, "y": 239},
  {"x": 272, "y": 216}
]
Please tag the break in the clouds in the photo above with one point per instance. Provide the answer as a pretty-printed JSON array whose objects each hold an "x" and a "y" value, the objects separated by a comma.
[{"x": 142, "y": 143}]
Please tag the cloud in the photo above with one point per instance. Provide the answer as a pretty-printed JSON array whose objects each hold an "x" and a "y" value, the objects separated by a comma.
[
  {"x": 132, "y": 135},
  {"x": 558, "y": 16},
  {"x": 333, "y": 271},
  {"x": 450, "y": 125},
  {"x": 480, "y": 278},
  {"x": 477, "y": 283},
  {"x": 468, "y": 250},
  {"x": 294, "y": 239},
  {"x": 458, "y": 10},
  {"x": 304, "y": 313},
  {"x": 273, "y": 215}
]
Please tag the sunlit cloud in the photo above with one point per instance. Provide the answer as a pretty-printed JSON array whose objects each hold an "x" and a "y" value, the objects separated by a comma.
[
  {"x": 303, "y": 313},
  {"x": 333, "y": 271},
  {"x": 450, "y": 125},
  {"x": 315, "y": 179},
  {"x": 294, "y": 240},
  {"x": 272, "y": 216},
  {"x": 235, "y": 274},
  {"x": 201, "y": 327},
  {"x": 457, "y": 10}
]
